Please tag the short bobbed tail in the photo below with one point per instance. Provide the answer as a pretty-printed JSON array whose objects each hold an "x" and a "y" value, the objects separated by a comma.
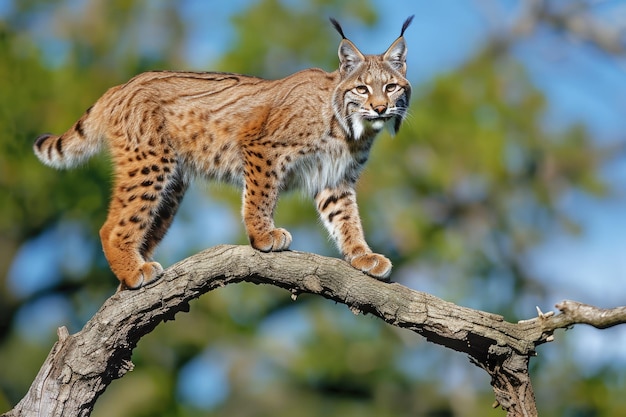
[{"x": 70, "y": 149}]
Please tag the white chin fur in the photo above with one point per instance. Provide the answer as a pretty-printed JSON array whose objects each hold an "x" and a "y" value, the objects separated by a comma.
[
  {"x": 378, "y": 124},
  {"x": 359, "y": 125}
]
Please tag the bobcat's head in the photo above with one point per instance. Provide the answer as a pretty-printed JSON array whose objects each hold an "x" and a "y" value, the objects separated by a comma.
[{"x": 373, "y": 91}]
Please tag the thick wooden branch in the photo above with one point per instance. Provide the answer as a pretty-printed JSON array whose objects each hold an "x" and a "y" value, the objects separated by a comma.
[{"x": 81, "y": 366}]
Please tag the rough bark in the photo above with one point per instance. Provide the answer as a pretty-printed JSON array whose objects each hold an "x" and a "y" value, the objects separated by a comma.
[{"x": 81, "y": 366}]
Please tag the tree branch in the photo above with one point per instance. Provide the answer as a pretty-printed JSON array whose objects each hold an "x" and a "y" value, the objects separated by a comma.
[{"x": 82, "y": 365}]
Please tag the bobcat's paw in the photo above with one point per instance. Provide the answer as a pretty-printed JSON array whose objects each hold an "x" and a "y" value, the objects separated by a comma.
[
  {"x": 148, "y": 272},
  {"x": 275, "y": 240},
  {"x": 373, "y": 264}
]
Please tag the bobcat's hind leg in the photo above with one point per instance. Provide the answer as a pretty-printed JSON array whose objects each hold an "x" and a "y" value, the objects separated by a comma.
[
  {"x": 120, "y": 245},
  {"x": 171, "y": 197},
  {"x": 142, "y": 207}
]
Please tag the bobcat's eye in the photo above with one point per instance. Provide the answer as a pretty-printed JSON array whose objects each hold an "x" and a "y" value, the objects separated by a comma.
[
  {"x": 361, "y": 89},
  {"x": 390, "y": 88}
]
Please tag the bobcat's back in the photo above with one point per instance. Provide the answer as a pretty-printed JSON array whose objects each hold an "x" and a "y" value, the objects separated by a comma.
[{"x": 207, "y": 119}]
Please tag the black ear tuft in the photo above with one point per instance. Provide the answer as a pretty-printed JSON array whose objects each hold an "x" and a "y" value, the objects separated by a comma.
[
  {"x": 337, "y": 27},
  {"x": 406, "y": 24}
]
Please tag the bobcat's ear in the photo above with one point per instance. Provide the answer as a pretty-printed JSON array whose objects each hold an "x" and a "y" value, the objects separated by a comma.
[
  {"x": 396, "y": 55},
  {"x": 349, "y": 56}
]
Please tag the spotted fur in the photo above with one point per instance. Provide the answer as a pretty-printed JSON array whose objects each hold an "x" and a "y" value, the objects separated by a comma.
[{"x": 312, "y": 131}]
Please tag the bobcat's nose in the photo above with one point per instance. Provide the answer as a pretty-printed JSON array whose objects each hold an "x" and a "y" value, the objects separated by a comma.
[{"x": 380, "y": 109}]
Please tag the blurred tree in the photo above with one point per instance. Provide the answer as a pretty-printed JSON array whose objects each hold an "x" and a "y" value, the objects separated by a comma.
[{"x": 470, "y": 185}]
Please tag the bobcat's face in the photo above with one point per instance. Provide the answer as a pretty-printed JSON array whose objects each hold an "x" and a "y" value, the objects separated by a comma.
[
  {"x": 376, "y": 98},
  {"x": 374, "y": 91}
]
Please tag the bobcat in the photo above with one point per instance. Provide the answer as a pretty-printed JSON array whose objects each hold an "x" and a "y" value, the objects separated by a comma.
[{"x": 312, "y": 130}]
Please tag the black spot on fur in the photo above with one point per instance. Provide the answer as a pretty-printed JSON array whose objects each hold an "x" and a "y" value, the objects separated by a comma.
[
  {"x": 42, "y": 139},
  {"x": 333, "y": 214},
  {"x": 79, "y": 128},
  {"x": 334, "y": 199}
]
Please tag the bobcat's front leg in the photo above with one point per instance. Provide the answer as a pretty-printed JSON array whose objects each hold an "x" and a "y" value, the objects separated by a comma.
[
  {"x": 338, "y": 210},
  {"x": 260, "y": 194}
]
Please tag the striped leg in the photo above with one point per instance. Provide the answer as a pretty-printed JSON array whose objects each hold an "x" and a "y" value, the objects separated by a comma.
[{"x": 339, "y": 212}]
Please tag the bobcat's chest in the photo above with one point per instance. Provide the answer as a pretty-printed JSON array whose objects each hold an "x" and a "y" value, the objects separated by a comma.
[{"x": 323, "y": 167}]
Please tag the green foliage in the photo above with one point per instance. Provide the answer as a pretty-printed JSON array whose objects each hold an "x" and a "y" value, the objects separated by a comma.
[{"x": 469, "y": 186}]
